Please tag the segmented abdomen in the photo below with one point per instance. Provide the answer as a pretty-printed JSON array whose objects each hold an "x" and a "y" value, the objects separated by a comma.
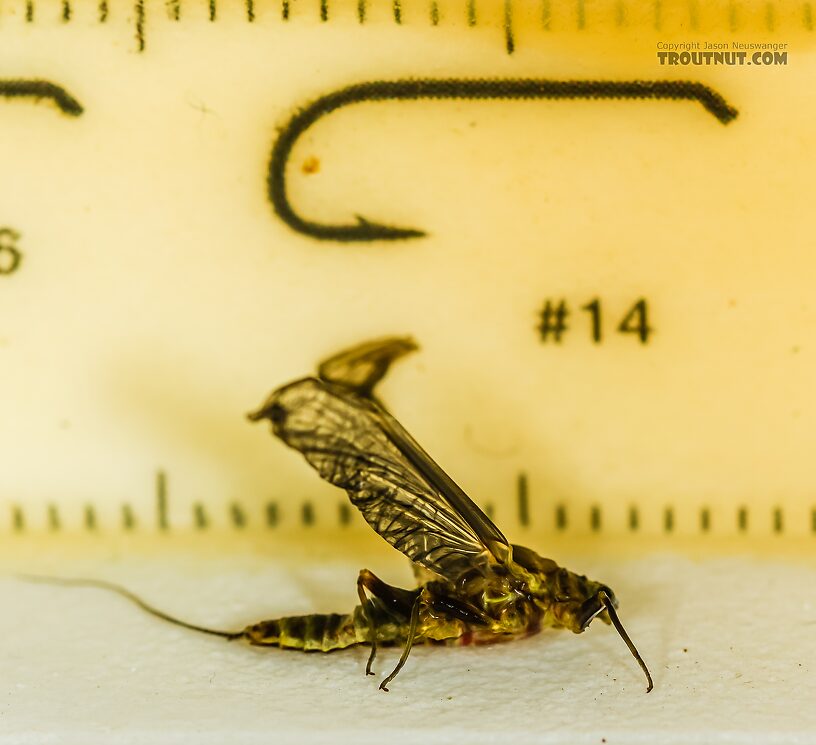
[{"x": 319, "y": 632}]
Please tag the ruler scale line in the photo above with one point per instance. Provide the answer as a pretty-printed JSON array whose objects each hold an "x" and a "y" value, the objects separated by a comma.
[
  {"x": 161, "y": 501},
  {"x": 523, "y": 497},
  {"x": 509, "y": 34},
  {"x": 271, "y": 514},
  {"x": 53, "y": 517},
  {"x": 595, "y": 518},
  {"x": 139, "y": 18}
]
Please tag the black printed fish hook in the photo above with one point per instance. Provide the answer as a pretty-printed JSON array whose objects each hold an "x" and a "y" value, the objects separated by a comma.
[
  {"x": 39, "y": 89},
  {"x": 453, "y": 88}
]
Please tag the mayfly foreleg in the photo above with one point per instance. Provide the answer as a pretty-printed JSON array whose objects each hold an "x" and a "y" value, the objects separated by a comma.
[
  {"x": 409, "y": 642},
  {"x": 386, "y": 610},
  {"x": 371, "y": 622}
]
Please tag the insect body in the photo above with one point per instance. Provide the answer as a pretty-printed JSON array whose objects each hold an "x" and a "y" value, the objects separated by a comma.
[{"x": 474, "y": 587}]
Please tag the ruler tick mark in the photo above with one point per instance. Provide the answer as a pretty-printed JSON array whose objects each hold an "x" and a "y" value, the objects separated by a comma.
[
  {"x": 509, "y": 37},
  {"x": 324, "y": 10},
  {"x": 161, "y": 501},
  {"x": 250, "y": 10},
  {"x": 770, "y": 17},
  {"x": 546, "y": 14},
  {"x": 344, "y": 513},
  {"x": 807, "y": 17},
  {"x": 668, "y": 519},
  {"x": 285, "y": 10},
  {"x": 778, "y": 520},
  {"x": 66, "y": 11},
  {"x": 658, "y": 15},
  {"x": 174, "y": 9},
  {"x": 238, "y": 516},
  {"x": 580, "y": 15},
  {"x": 561, "y": 517},
  {"x": 489, "y": 510},
  {"x": 213, "y": 10},
  {"x": 139, "y": 14},
  {"x": 307, "y": 515},
  {"x": 53, "y": 517},
  {"x": 128, "y": 519},
  {"x": 732, "y": 16},
  {"x": 90, "y": 518},
  {"x": 18, "y": 518},
  {"x": 694, "y": 15},
  {"x": 271, "y": 514},
  {"x": 434, "y": 13},
  {"x": 397, "y": 7},
  {"x": 620, "y": 14},
  {"x": 200, "y": 520},
  {"x": 634, "y": 518},
  {"x": 595, "y": 518},
  {"x": 103, "y": 11},
  {"x": 523, "y": 497},
  {"x": 361, "y": 11},
  {"x": 29, "y": 11},
  {"x": 705, "y": 520},
  {"x": 742, "y": 519}
]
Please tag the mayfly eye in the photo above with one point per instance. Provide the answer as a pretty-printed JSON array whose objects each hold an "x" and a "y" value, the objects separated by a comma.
[
  {"x": 610, "y": 595},
  {"x": 277, "y": 414},
  {"x": 589, "y": 610}
]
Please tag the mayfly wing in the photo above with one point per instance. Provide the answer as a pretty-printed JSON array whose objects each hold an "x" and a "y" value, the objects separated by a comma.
[
  {"x": 340, "y": 435},
  {"x": 490, "y": 536},
  {"x": 354, "y": 443},
  {"x": 360, "y": 369}
]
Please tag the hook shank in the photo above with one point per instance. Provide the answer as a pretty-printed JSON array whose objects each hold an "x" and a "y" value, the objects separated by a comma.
[{"x": 414, "y": 89}]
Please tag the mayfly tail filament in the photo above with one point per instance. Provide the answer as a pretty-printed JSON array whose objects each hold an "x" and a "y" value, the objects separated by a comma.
[
  {"x": 610, "y": 609},
  {"x": 102, "y": 585}
]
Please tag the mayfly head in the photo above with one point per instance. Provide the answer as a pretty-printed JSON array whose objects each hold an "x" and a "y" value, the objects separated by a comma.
[
  {"x": 602, "y": 604},
  {"x": 596, "y": 606},
  {"x": 571, "y": 600}
]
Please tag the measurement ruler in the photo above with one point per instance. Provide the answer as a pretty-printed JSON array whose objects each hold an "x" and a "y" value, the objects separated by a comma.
[{"x": 602, "y": 252}]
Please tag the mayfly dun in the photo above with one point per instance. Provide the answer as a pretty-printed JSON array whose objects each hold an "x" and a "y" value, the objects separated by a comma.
[{"x": 474, "y": 587}]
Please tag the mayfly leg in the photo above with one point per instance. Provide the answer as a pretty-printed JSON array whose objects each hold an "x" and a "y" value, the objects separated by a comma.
[
  {"x": 409, "y": 642},
  {"x": 387, "y": 603},
  {"x": 362, "y": 578}
]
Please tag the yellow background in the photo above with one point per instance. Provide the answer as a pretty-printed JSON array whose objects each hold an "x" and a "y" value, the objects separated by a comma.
[{"x": 159, "y": 298}]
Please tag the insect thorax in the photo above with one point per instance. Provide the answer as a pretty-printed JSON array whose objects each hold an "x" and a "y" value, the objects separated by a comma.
[{"x": 531, "y": 592}]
